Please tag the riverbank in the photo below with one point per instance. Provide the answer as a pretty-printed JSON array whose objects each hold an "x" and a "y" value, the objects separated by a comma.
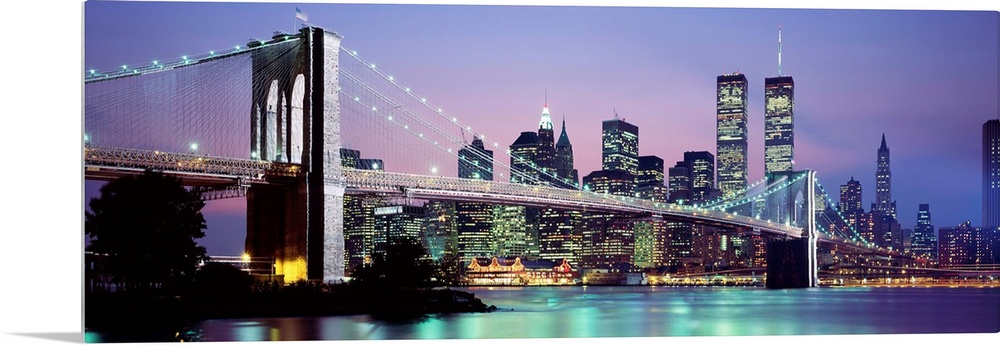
[{"x": 108, "y": 311}]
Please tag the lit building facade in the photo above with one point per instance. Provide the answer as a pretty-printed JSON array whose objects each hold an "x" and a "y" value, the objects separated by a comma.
[
  {"x": 957, "y": 246},
  {"x": 440, "y": 230},
  {"x": 883, "y": 183},
  {"x": 651, "y": 242},
  {"x": 779, "y": 134},
  {"x": 563, "y": 162},
  {"x": 514, "y": 271},
  {"x": 649, "y": 183},
  {"x": 731, "y": 133},
  {"x": 620, "y": 146},
  {"x": 607, "y": 240},
  {"x": 679, "y": 183},
  {"x": 359, "y": 214},
  {"x": 680, "y": 237},
  {"x": 850, "y": 204},
  {"x": 522, "y": 159},
  {"x": 546, "y": 152},
  {"x": 702, "y": 165},
  {"x": 395, "y": 223},
  {"x": 557, "y": 235},
  {"x": 924, "y": 242},
  {"x": 991, "y": 174},
  {"x": 474, "y": 220},
  {"x": 509, "y": 233}
]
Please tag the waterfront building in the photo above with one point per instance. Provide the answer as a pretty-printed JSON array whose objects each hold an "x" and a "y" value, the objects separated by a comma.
[
  {"x": 731, "y": 133},
  {"x": 991, "y": 174},
  {"x": 505, "y": 271}
]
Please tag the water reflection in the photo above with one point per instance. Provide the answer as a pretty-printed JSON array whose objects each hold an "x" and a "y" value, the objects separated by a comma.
[{"x": 573, "y": 312}]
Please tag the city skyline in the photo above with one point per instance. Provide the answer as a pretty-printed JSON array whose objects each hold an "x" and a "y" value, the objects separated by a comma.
[{"x": 656, "y": 78}]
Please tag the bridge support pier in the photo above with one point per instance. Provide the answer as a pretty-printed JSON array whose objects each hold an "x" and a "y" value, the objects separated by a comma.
[
  {"x": 793, "y": 263},
  {"x": 299, "y": 222}
]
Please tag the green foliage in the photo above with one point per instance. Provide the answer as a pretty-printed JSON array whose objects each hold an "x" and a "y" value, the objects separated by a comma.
[
  {"x": 403, "y": 266},
  {"x": 147, "y": 225}
]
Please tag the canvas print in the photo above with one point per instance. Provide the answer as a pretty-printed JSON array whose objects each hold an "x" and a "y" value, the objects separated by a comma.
[{"x": 285, "y": 171}]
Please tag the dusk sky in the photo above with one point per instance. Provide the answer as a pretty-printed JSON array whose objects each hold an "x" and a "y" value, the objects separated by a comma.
[{"x": 928, "y": 80}]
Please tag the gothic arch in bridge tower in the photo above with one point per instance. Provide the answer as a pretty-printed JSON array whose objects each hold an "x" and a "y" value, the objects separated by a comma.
[{"x": 295, "y": 118}]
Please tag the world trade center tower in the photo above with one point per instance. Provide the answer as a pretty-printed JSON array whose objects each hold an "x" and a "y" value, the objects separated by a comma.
[{"x": 731, "y": 133}]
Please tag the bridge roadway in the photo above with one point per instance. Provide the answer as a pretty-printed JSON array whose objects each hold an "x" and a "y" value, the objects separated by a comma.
[{"x": 106, "y": 163}]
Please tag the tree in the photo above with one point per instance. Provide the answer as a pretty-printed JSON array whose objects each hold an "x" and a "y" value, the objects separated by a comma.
[
  {"x": 403, "y": 265},
  {"x": 146, "y": 225}
]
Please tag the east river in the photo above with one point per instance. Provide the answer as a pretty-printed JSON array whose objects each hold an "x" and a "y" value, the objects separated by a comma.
[{"x": 637, "y": 311}]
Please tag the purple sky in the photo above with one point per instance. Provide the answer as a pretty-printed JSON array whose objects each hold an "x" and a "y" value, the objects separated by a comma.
[{"x": 927, "y": 79}]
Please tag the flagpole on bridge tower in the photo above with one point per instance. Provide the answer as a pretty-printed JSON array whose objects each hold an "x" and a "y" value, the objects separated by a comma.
[{"x": 299, "y": 15}]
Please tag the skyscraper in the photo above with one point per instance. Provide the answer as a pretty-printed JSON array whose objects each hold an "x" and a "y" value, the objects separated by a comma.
[
  {"x": 359, "y": 217},
  {"x": 850, "y": 205},
  {"x": 779, "y": 125},
  {"x": 991, "y": 174},
  {"x": 564, "y": 159},
  {"x": 607, "y": 239},
  {"x": 924, "y": 242},
  {"x": 702, "y": 165},
  {"x": 475, "y": 161},
  {"x": 474, "y": 220},
  {"x": 850, "y": 197},
  {"x": 779, "y": 134},
  {"x": 956, "y": 245},
  {"x": 679, "y": 183},
  {"x": 883, "y": 183},
  {"x": 545, "y": 155},
  {"x": 397, "y": 222},
  {"x": 556, "y": 239},
  {"x": 650, "y": 179},
  {"x": 731, "y": 133},
  {"x": 620, "y": 149},
  {"x": 522, "y": 158}
]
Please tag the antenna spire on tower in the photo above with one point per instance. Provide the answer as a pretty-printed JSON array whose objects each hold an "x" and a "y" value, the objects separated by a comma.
[{"x": 779, "y": 50}]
